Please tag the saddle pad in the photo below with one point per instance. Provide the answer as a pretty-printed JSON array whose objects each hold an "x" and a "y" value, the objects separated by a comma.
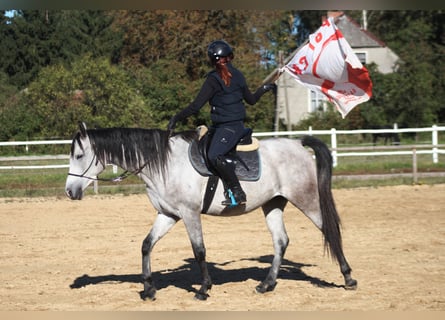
[{"x": 250, "y": 158}]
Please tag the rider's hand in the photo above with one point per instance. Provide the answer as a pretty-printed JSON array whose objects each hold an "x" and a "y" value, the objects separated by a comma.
[
  {"x": 172, "y": 124},
  {"x": 269, "y": 86}
]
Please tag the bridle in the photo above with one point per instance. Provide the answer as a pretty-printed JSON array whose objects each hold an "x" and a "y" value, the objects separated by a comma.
[{"x": 119, "y": 178}]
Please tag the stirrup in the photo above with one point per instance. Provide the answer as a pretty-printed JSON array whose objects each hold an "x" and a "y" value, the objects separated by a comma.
[{"x": 230, "y": 200}]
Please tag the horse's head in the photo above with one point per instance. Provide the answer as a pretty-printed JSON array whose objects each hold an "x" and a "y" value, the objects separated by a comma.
[{"x": 84, "y": 165}]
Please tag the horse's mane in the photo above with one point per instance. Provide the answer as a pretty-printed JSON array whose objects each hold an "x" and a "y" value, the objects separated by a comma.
[{"x": 135, "y": 147}]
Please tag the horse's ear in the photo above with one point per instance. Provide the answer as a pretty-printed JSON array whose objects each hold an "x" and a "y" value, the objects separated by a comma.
[{"x": 83, "y": 129}]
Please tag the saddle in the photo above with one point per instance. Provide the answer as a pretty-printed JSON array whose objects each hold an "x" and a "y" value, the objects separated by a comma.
[{"x": 246, "y": 158}]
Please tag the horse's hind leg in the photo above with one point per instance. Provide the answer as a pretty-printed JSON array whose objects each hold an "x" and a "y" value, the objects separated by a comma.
[
  {"x": 273, "y": 211},
  {"x": 161, "y": 226},
  {"x": 328, "y": 225}
]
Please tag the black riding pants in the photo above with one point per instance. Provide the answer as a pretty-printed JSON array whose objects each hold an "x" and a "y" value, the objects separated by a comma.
[{"x": 225, "y": 137}]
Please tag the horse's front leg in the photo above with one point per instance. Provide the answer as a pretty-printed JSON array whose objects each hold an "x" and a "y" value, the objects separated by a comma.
[
  {"x": 273, "y": 211},
  {"x": 193, "y": 225},
  {"x": 161, "y": 226}
]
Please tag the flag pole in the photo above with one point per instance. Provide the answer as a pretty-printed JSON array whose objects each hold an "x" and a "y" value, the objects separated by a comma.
[{"x": 276, "y": 74}]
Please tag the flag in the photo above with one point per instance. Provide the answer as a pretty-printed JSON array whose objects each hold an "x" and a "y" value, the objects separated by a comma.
[{"x": 327, "y": 64}]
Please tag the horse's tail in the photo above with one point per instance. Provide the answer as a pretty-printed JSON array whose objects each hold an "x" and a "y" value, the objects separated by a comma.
[{"x": 331, "y": 220}]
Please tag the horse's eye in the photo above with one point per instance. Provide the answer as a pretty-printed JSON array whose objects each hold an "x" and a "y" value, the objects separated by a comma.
[{"x": 79, "y": 156}]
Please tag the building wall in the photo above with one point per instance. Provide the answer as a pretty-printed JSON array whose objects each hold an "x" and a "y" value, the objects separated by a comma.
[
  {"x": 293, "y": 100},
  {"x": 384, "y": 57}
]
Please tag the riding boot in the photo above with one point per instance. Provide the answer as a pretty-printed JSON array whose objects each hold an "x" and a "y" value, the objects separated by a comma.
[{"x": 234, "y": 193}]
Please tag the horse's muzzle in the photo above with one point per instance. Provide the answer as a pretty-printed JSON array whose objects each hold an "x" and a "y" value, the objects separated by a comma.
[{"x": 74, "y": 195}]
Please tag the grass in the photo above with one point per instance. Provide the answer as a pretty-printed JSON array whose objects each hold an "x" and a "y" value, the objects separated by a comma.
[
  {"x": 51, "y": 182},
  {"x": 359, "y": 183},
  {"x": 386, "y": 164},
  {"x": 381, "y": 165}
]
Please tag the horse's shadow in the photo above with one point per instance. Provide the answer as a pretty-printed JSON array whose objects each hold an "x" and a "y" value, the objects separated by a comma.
[{"x": 188, "y": 274}]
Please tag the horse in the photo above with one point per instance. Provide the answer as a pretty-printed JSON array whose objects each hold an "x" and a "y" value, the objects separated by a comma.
[
  {"x": 393, "y": 137},
  {"x": 288, "y": 174}
]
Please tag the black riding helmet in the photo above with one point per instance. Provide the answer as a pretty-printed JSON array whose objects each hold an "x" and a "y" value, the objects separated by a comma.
[{"x": 218, "y": 49}]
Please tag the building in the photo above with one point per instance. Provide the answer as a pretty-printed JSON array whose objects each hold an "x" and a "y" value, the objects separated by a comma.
[{"x": 295, "y": 102}]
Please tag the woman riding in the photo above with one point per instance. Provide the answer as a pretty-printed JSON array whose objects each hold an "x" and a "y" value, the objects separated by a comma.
[{"x": 225, "y": 88}]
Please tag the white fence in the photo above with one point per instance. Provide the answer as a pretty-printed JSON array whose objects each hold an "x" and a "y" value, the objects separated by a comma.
[
  {"x": 34, "y": 158},
  {"x": 434, "y": 148},
  {"x": 373, "y": 150}
]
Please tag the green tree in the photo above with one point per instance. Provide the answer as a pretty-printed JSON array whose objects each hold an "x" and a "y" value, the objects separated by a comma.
[
  {"x": 186, "y": 34},
  {"x": 79, "y": 32},
  {"x": 34, "y": 39},
  {"x": 417, "y": 89},
  {"x": 171, "y": 65},
  {"x": 380, "y": 110},
  {"x": 18, "y": 121},
  {"x": 138, "y": 68},
  {"x": 23, "y": 48},
  {"x": 413, "y": 95},
  {"x": 90, "y": 90},
  {"x": 6, "y": 90},
  {"x": 166, "y": 88}
]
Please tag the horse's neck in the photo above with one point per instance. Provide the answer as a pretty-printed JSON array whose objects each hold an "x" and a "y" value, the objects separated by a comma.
[
  {"x": 120, "y": 161},
  {"x": 179, "y": 150},
  {"x": 178, "y": 154},
  {"x": 165, "y": 189}
]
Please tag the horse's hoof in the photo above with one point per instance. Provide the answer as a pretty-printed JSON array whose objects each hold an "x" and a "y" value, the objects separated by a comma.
[
  {"x": 263, "y": 287},
  {"x": 149, "y": 294},
  {"x": 351, "y": 285},
  {"x": 201, "y": 296}
]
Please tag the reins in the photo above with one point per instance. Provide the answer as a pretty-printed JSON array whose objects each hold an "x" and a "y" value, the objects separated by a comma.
[{"x": 119, "y": 178}]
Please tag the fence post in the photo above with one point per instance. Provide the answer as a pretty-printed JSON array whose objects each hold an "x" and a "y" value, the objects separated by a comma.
[
  {"x": 415, "y": 177},
  {"x": 435, "y": 142},
  {"x": 334, "y": 147}
]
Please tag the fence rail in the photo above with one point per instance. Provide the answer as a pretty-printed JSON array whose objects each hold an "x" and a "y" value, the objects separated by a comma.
[{"x": 434, "y": 148}]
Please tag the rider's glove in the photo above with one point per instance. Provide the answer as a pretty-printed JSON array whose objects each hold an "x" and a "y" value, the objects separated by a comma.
[
  {"x": 172, "y": 124},
  {"x": 269, "y": 86}
]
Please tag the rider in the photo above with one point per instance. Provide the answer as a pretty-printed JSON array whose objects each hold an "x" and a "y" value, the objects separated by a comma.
[{"x": 225, "y": 88}]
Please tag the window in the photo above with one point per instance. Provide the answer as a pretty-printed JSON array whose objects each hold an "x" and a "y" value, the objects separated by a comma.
[
  {"x": 317, "y": 101},
  {"x": 362, "y": 56}
]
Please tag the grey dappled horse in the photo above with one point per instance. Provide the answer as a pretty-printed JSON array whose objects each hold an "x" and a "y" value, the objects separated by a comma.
[{"x": 289, "y": 173}]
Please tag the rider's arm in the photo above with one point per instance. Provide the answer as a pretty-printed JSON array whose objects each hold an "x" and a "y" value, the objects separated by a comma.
[
  {"x": 208, "y": 89},
  {"x": 252, "y": 98}
]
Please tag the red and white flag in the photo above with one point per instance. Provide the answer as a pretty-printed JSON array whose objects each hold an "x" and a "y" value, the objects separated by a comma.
[{"x": 327, "y": 64}]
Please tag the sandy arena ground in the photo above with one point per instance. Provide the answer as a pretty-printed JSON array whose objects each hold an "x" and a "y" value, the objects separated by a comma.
[{"x": 58, "y": 254}]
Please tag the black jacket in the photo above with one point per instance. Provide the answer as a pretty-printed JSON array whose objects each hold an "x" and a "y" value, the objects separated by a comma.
[{"x": 226, "y": 101}]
